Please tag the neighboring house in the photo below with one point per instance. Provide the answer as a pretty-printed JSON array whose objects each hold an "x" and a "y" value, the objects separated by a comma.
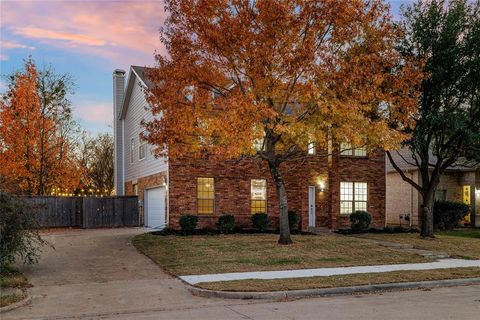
[
  {"x": 458, "y": 183},
  {"x": 324, "y": 190}
]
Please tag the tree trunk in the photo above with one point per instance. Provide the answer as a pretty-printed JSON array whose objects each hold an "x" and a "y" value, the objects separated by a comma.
[
  {"x": 282, "y": 197},
  {"x": 427, "y": 214}
]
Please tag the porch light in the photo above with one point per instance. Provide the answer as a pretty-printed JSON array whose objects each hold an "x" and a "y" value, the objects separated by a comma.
[{"x": 321, "y": 185}]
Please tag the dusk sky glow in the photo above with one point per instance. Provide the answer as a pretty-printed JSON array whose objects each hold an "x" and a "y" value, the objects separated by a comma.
[{"x": 88, "y": 39}]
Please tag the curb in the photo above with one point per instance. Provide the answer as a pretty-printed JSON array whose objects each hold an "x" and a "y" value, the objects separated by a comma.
[
  {"x": 274, "y": 295},
  {"x": 17, "y": 304}
]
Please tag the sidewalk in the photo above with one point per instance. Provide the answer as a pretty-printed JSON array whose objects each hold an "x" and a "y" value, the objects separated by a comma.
[{"x": 325, "y": 272}]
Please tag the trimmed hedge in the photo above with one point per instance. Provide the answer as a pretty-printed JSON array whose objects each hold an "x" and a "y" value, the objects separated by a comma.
[
  {"x": 260, "y": 221},
  {"x": 360, "y": 221},
  {"x": 226, "y": 223},
  {"x": 188, "y": 223},
  {"x": 448, "y": 214}
]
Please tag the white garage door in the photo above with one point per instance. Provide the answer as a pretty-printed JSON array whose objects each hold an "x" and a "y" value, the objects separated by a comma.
[{"x": 155, "y": 208}]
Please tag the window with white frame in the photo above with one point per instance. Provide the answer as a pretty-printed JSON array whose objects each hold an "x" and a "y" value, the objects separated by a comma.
[
  {"x": 142, "y": 148},
  {"x": 205, "y": 195},
  {"x": 258, "y": 196},
  {"x": 259, "y": 143},
  {"x": 132, "y": 150},
  {"x": 346, "y": 149},
  {"x": 311, "y": 147},
  {"x": 353, "y": 197}
]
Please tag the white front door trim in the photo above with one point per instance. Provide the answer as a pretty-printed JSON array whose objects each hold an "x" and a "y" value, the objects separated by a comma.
[{"x": 311, "y": 207}]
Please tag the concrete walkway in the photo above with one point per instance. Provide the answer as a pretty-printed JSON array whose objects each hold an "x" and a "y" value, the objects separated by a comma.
[{"x": 324, "y": 272}]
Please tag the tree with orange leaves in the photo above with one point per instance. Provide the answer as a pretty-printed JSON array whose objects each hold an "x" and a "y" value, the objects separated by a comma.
[
  {"x": 264, "y": 78},
  {"x": 36, "y": 133}
]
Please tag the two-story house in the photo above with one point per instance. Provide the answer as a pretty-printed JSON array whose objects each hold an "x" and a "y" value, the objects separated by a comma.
[{"x": 323, "y": 189}]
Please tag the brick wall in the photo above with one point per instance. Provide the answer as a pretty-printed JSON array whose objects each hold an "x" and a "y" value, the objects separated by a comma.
[
  {"x": 232, "y": 188},
  {"x": 355, "y": 169},
  {"x": 144, "y": 183}
]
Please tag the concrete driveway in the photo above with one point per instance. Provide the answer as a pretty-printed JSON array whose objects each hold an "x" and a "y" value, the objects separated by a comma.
[{"x": 99, "y": 272}]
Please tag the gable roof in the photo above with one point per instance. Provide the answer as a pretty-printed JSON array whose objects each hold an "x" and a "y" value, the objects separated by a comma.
[{"x": 137, "y": 75}]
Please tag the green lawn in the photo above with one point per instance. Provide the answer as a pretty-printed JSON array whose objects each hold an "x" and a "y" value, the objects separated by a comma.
[
  {"x": 468, "y": 233},
  {"x": 458, "y": 244},
  {"x": 187, "y": 255}
]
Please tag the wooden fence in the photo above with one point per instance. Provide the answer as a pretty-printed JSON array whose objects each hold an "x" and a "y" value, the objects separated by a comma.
[{"x": 84, "y": 212}]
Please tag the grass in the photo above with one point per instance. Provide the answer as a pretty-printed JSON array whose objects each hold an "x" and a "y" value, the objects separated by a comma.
[
  {"x": 12, "y": 278},
  {"x": 340, "y": 281},
  {"x": 5, "y": 300},
  {"x": 458, "y": 244},
  {"x": 17, "y": 280},
  {"x": 187, "y": 255},
  {"x": 469, "y": 233}
]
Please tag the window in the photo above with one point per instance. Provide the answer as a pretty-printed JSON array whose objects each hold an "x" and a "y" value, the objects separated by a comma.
[
  {"x": 311, "y": 147},
  {"x": 346, "y": 149},
  {"x": 132, "y": 150},
  {"x": 142, "y": 149},
  {"x": 258, "y": 196},
  {"x": 353, "y": 197},
  {"x": 205, "y": 195},
  {"x": 135, "y": 189},
  {"x": 259, "y": 143},
  {"x": 440, "y": 195},
  {"x": 188, "y": 93}
]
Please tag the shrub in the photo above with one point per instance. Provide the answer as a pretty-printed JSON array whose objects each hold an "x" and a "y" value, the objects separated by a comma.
[
  {"x": 293, "y": 220},
  {"x": 226, "y": 223},
  {"x": 360, "y": 221},
  {"x": 447, "y": 214},
  {"x": 260, "y": 221},
  {"x": 188, "y": 223},
  {"x": 19, "y": 237}
]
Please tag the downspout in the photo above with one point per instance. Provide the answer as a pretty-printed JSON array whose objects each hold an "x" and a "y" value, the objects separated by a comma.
[{"x": 411, "y": 201}]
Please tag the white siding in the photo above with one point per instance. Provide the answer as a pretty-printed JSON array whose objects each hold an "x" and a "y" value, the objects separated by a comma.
[{"x": 135, "y": 114}]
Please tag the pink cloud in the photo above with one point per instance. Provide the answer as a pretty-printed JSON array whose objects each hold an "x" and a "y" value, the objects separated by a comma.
[
  {"x": 123, "y": 32},
  {"x": 15, "y": 45},
  {"x": 94, "y": 112},
  {"x": 38, "y": 33}
]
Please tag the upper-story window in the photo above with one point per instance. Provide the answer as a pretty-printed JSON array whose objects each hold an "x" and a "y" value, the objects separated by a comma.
[
  {"x": 311, "y": 147},
  {"x": 142, "y": 148},
  {"x": 132, "y": 150},
  {"x": 346, "y": 149},
  {"x": 259, "y": 143}
]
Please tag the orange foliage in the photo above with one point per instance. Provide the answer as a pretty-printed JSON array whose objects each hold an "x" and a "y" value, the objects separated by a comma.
[
  {"x": 281, "y": 72},
  {"x": 34, "y": 156},
  {"x": 289, "y": 70}
]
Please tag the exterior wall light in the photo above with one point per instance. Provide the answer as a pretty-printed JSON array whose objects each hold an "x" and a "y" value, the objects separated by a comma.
[{"x": 321, "y": 186}]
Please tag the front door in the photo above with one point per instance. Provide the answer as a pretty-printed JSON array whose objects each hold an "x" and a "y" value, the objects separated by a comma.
[{"x": 311, "y": 206}]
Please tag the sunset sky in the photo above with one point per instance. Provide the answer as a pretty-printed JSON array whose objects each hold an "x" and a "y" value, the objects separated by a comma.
[{"x": 87, "y": 39}]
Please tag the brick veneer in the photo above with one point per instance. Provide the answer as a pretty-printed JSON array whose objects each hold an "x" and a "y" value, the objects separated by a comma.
[
  {"x": 144, "y": 183},
  {"x": 232, "y": 188}
]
